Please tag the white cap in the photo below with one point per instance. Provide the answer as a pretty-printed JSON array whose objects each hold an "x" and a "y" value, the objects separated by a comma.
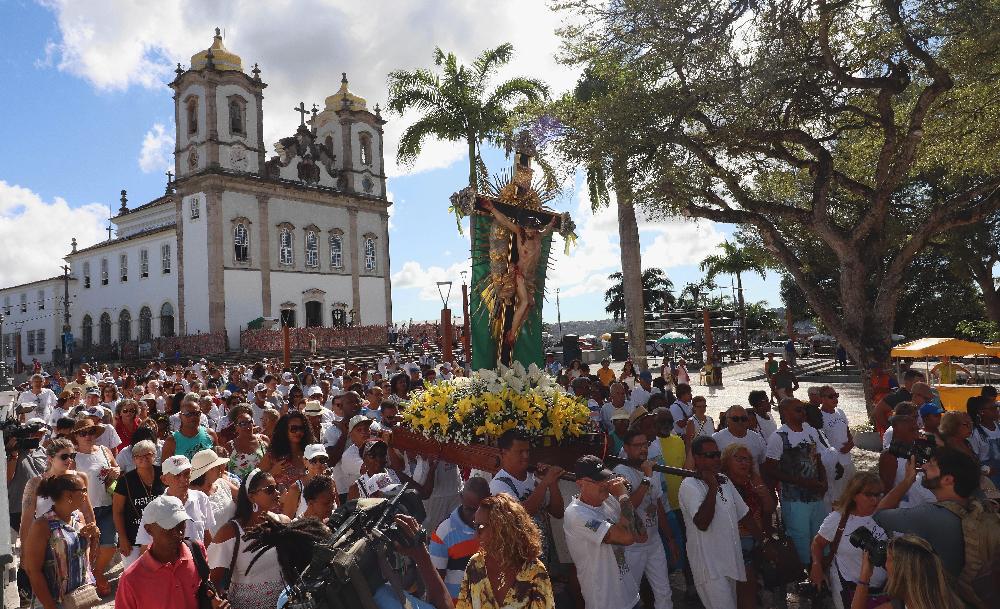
[
  {"x": 166, "y": 511},
  {"x": 313, "y": 408},
  {"x": 287, "y": 376},
  {"x": 378, "y": 483},
  {"x": 177, "y": 464},
  {"x": 314, "y": 450},
  {"x": 203, "y": 461},
  {"x": 260, "y": 387},
  {"x": 37, "y": 421},
  {"x": 357, "y": 420}
]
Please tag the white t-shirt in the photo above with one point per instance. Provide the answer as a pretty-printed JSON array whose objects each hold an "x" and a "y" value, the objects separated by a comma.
[
  {"x": 981, "y": 444},
  {"x": 752, "y": 440},
  {"x": 766, "y": 426},
  {"x": 835, "y": 426},
  {"x": 681, "y": 411},
  {"x": 109, "y": 438},
  {"x": 775, "y": 446},
  {"x": 646, "y": 511},
  {"x": 524, "y": 487},
  {"x": 608, "y": 409},
  {"x": 199, "y": 508},
  {"x": 44, "y": 402},
  {"x": 348, "y": 469},
  {"x": 604, "y": 575},
  {"x": 848, "y": 558},
  {"x": 715, "y": 552}
]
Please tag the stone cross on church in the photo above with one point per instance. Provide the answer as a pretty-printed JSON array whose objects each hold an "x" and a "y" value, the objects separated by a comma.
[{"x": 301, "y": 109}]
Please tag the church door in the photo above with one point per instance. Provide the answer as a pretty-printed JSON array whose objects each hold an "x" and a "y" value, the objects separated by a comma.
[
  {"x": 288, "y": 317},
  {"x": 339, "y": 317},
  {"x": 314, "y": 314}
]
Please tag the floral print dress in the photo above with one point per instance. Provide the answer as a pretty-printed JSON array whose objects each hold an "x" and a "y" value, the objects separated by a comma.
[{"x": 531, "y": 590}]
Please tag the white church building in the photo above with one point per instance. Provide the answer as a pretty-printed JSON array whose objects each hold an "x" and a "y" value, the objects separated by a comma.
[{"x": 301, "y": 236}]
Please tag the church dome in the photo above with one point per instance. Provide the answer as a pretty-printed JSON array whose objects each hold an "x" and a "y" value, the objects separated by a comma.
[
  {"x": 336, "y": 101},
  {"x": 222, "y": 59}
]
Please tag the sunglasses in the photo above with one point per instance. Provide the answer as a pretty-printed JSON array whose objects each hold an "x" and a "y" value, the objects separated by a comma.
[
  {"x": 92, "y": 431},
  {"x": 192, "y": 413},
  {"x": 323, "y": 460},
  {"x": 67, "y": 456},
  {"x": 129, "y": 411},
  {"x": 741, "y": 419},
  {"x": 296, "y": 429},
  {"x": 711, "y": 454},
  {"x": 272, "y": 489},
  {"x": 246, "y": 424}
]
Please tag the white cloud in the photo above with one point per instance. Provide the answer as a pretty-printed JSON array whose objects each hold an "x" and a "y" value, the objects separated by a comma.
[
  {"x": 303, "y": 47},
  {"x": 37, "y": 233},
  {"x": 412, "y": 275},
  {"x": 157, "y": 150}
]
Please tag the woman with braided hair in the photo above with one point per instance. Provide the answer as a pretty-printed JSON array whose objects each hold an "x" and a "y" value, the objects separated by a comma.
[{"x": 506, "y": 573}]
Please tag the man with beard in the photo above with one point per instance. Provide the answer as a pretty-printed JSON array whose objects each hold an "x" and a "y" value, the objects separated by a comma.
[{"x": 952, "y": 476}]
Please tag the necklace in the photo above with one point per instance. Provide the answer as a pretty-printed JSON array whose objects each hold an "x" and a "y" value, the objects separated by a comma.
[{"x": 147, "y": 487}]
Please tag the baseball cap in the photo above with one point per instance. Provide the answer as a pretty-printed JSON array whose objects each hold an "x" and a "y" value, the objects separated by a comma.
[
  {"x": 591, "y": 467},
  {"x": 287, "y": 376},
  {"x": 620, "y": 415},
  {"x": 313, "y": 408},
  {"x": 260, "y": 387},
  {"x": 166, "y": 511},
  {"x": 358, "y": 419},
  {"x": 177, "y": 464},
  {"x": 93, "y": 391},
  {"x": 930, "y": 408},
  {"x": 646, "y": 375},
  {"x": 315, "y": 450},
  {"x": 378, "y": 483}
]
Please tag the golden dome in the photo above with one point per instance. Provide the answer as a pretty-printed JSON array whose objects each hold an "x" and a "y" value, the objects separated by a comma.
[
  {"x": 222, "y": 59},
  {"x": 336, "y": 101}
]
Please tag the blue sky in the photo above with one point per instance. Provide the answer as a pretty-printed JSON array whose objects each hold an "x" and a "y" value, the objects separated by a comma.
[{"x": 86, "y": 113}]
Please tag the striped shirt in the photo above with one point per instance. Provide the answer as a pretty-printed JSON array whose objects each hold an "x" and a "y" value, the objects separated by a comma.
[{"x": 452, "y": 544}]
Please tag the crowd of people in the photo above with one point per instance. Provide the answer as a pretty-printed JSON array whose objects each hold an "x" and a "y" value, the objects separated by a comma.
[{"x": 167, "y": 468}]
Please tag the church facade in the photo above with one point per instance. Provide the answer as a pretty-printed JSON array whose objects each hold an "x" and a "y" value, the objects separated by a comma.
[{"x": 301, "y": 237}]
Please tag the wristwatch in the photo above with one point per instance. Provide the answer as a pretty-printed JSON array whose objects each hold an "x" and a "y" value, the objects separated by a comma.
[{"x": 646, "y": 480}]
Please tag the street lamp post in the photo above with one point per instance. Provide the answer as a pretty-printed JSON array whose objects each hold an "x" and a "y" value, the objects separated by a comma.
[{"x": 466, "y": 323}]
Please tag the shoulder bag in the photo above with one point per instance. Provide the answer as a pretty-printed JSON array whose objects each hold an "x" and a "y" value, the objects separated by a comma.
[{"x": 201, "y": 564}]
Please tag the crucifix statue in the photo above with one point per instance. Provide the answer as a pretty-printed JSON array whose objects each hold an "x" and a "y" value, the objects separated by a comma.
[{"x": 301, "y": 109}]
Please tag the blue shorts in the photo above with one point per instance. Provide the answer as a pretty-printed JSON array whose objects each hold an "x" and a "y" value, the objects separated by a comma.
[
  {"x": 747, "y": 544},
  {"x": 106, "y": 523}
]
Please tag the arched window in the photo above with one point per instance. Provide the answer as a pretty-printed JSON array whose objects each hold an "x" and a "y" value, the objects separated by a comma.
[
  {"x": 337, "y": 251},
  {"x": 145, "y": 325},
  {"x": 195, "y": 208},
  {"x": 192, "y": 115},
  {"x": 312, "y": 249},
  {"x": 124, "y": 327},
  {"x": 366, "y": 149},
  {"x": 285, "y": 254},
  {"x": 86, "y": 274},
  {"x": 105, "y": 329},
  {"x": 166, "y": 320},
  {"x": 241, "y": 242},
  {"x": 371, "y": 261},
  {"x": 88, "y": 332},
  {"x": 237, "y": 115}
]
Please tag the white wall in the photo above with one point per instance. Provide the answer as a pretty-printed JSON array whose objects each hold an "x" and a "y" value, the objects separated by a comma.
[
  {"x": 373, "y": 223},
  {"x": 243, "y": 302},
  {"x": 250, "y": 140},
  {"x": 195, "y": 267},
  {"x": 48, "y": 319},
  {"x": 372, "y": 300},
  {"x": 375, "y": 168},
  {"x": 289, "y": 287},
  {"x": 301, "y": 214}
]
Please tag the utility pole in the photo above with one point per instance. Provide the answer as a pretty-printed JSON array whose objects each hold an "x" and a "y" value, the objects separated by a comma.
[
  {"x": 558, "y": 314},
  {"x": 67, "y": 329}
]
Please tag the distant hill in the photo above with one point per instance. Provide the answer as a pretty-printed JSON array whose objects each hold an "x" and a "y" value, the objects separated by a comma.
[{"x": 596, "y": 327}]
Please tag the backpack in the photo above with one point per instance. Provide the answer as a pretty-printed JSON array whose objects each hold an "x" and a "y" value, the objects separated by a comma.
[{"x": 979, "y": 582}]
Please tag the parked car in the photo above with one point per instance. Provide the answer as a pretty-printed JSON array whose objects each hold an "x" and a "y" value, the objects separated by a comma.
[{"x": 777, "y": 347}]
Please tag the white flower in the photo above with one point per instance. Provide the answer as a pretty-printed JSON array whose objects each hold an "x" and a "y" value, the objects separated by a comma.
[
  {"x": 487, "y": 375},
  {"x": 494, "y": 387},
  {"x": 519, "y": 369},
  {"x": 544, "y": 381},
  {"x": 516, "y": 384}
]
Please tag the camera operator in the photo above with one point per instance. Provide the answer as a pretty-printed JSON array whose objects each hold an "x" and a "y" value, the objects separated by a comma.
[
  {"x": 916, "y": 578},
  {"x": 953, "y": 477},
  {"x": 37, "y": 401},
  {"x": 892, "y": 461},
  {"x": 26, "y": 459}
]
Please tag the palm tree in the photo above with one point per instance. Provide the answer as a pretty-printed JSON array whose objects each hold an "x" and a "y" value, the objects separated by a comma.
[
  {"x": 656, "y": 294},
  {"x": 734, "y": 260},
  {"x": 456, "y": 106}
]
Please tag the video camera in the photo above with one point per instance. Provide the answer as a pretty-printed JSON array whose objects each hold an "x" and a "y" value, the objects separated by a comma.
[
  {"x": 18, "y": 436},
  {"x": 922, "y": 449},
  {"x": 878, "y": 549},
  {"x": 360, "y": 555}
]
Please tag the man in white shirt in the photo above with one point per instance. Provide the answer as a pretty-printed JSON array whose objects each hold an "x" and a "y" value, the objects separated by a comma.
[
  {"x": 643, "y": 389},
  {"x": 648, "y": 558},
  {"x": 713, "y": 512},
  {"x": 736, "y": 431},
  {"x": 682, "y": 408},
  {"x": 338, "y": 443},
  {"x": 599, "y": 523},
  {"x": 515, "y": 480},
  {"x": 760, "y": 405},
  {"x": 37, "y": 402},
  {"x": 837, "y": 430},
  {"x": 617, "y": 403}
]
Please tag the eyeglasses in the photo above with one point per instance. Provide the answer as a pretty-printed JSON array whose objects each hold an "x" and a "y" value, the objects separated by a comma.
[
  {"x": 89, "y": 432},
  {"x": 323, "y": 460},
  {"x": 710, "y": 454},
  {"x": 190, "y": 413},
  {"x": 741, "y": 419},
  {"x": 130, "y": 411},
  {"x": 296, "y": 429},
  {"x": 272, "y": 489},
  {"x": 245, "y": 424},
  {"x": 67, "y": 456}
]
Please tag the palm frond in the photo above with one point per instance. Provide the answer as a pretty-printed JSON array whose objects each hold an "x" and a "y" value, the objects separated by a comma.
[
  {"x": 491, "y": 59},
  {"x": 436, "y": 124}
]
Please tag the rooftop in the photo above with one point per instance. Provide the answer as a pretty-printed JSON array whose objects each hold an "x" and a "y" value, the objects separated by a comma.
[{"x": 144, "y": 233}]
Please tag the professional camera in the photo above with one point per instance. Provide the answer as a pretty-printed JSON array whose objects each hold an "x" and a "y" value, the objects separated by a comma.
[
  {"x": 18, "y": 436},
  {"x": 922, "y": 449},
  {"x": 355, "y": 556},
  {"x": 863, "y": 539}
]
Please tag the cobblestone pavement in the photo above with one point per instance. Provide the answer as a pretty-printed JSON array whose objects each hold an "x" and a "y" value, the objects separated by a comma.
[{"x": 740, "y": 379}]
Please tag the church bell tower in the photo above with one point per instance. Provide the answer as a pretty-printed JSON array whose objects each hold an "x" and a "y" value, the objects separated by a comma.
[{"x": 217, "y": 110}]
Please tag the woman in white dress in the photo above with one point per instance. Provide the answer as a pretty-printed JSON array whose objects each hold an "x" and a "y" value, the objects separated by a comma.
[
  {"x": 700, "y": 424},
  {"x": 208, "y": 475}
]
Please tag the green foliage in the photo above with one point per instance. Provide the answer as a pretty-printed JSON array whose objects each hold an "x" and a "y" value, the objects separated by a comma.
[
  {"x": 455, "y": 104},
  {"x": 978, "y": 330},
  {"x": 656, "y": 294},
  {"x": 936, "y": 298},
  {"x": 760, "y": 318},
  {"x": 734, "y": 260}
]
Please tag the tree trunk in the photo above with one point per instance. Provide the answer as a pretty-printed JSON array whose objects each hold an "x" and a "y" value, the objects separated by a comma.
[
  {"x": 473, "y": 182},
  {"x": 987, "y": 285},
  {"x": 628, "y": 239}
]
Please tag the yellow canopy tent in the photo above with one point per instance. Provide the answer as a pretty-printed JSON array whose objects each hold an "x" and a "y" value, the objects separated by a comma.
[{"x": 953, "y": 397}]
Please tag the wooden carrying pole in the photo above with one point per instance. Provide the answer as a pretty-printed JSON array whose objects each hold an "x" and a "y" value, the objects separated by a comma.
[{"x": 448, "y": 335}]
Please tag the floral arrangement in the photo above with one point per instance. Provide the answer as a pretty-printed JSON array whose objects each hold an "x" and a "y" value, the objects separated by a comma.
[{"x": 472, "y": 409}]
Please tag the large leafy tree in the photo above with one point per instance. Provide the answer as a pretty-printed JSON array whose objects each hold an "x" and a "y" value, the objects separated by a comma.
[
  {"x": 733, "y": 260},
  {"x": 456, "y": 104},
  {"x": 852, "y": 134},
  {"x": 656, "y": 296}
]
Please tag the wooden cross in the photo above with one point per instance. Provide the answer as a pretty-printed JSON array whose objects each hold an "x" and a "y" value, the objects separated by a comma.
[
  {"x": 109, "y": 230},
  {"x": 302, "y": 113}
]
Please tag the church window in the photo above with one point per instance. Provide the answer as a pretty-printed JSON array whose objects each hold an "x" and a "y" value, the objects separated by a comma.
[
  {"x": 105, "y": 330},
  {"x": 144, "y": 263},
  {"x": 6, "y": 305},
  {"x": 24, "y": 303},
  {"x": 366, "y": 149},
  {"x": 337, "y": 252},
  {"x": 123, "y": 267},
  {"x": 241, "y": 243},
  {"x": 40, "y": 341},
  {"x": 165, "y": 258},
  {"x": 31, "y": 342},
  {"x": 87, "y": 329},
  {"x": 145, "y": 325},
  {"x": 195, "y": 208},
  {"x": 192, "y": 115},
  {"x": 124, "y": 327},
  {"x": 104, "y": 271},
  {"x": 285, "y": 255},
  {"x": 86, "y": 274},
  {"x": 371, "y": 262},
  {"x": 312, "y": 249},
  {"x": 166, "y": 320},
  {"x": 41, "y": 300},
  {"x": 237, "y": 115}
]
